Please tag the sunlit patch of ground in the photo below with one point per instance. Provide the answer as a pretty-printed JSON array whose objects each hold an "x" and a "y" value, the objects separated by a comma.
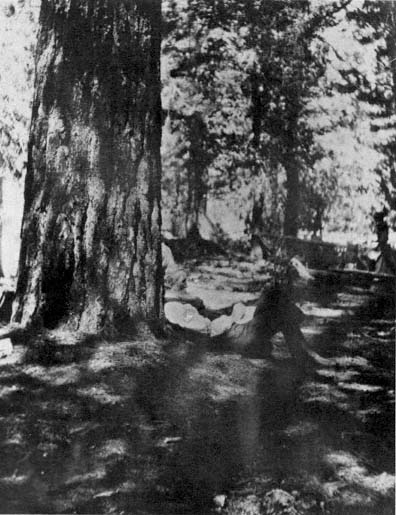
[
  {"x": 147, "y": 426},
  {"x": 313, "y": 309},
  {"x": 353, "y": 484},
  {"x": 56, "y": 375}
]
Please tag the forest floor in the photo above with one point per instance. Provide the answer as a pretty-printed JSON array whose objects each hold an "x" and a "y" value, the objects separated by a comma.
[{"x": 174, "y": 427}]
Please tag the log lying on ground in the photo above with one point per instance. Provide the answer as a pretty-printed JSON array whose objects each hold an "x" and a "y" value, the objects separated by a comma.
[
  {"x": 317, "y": 253},
  {"x": 361, "y": 273},
  {"x": 363, "y": 276},
  {"x": 193, "y": 246},
  {"x": 273, "y": 312},
  {"x": 240, "y": 315},
  {"x": 186, "y": 317},
  {"x": 184, "y": 298}
]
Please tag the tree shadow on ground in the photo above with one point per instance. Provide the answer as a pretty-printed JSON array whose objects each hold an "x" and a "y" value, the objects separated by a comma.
[{"x": 145, "y": 426}]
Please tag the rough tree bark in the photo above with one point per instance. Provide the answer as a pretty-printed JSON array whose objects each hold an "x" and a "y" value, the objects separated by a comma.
[
  {"x": 292, "y": 205},
  {"x": 390, "y": 12},
  {"x": 1, "y": 227},
  {"x": 291, "y": 143},
  {"x": 91, "y": 251},
  {"x": 291, "y": 223}
]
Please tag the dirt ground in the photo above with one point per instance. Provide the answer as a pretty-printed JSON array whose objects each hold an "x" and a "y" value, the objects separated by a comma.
[{"x": 175, "y": 427}]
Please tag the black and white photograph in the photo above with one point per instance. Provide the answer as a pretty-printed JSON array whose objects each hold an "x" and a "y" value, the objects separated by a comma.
[{"x": 197, "y": 257}]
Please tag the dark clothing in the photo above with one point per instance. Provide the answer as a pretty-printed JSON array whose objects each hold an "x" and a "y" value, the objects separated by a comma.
[
  {"x": 275, "y": 312},
  {"x": 386, "y": 263}
]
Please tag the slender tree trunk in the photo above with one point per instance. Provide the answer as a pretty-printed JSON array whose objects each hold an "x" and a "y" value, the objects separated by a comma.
[
  {"x": 388, "y": 185},
  {"x": 91, "y": 251},
  {"x": 292, "y": 207},
  {"x": 390, "y": 9},
  {"x": 290, "y": 160},
  {"x": 197, "y": 170},
  {"x": 1, "y": 227}
]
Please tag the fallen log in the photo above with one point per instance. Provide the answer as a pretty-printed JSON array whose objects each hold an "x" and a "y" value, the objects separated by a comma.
[
  {"x": 363, "y": 273},
  {"x": 324, "y": 254},
  {"x": 351, "y": 273},
  {"x": 186, "y": 316},
  {"x": 313, "y": 243}
]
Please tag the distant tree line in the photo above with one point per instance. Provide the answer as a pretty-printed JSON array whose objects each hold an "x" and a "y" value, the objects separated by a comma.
[{"x": 238, "y": 83}]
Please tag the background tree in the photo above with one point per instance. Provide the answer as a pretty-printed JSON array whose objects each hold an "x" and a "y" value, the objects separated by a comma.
[
  {"x": 206, "y": 111},
  {"x": 249, "y": 72},
  {"x": 90, "y": 255},
  {"x": 18, "y": 21},
  {"x": 351, "y": 115},
  {"x": 377, "y": 28},
  {"x": 280, "y": 82}
]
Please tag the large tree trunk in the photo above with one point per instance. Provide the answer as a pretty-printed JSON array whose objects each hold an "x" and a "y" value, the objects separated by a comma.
[{"x": 91, "y": 251}]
